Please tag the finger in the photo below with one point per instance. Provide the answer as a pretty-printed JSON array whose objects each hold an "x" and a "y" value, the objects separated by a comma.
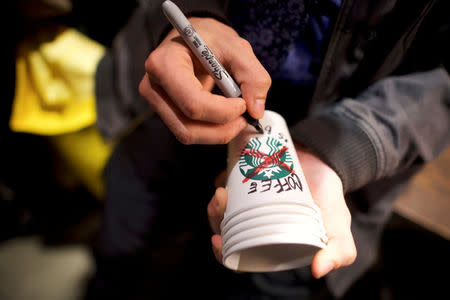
[
  {"x": 216, "y": 244},
  {"x": 213, "y": 218},
  {"x": 221, "y": 196},
  {"x": 188, "y": 131},
  {"x": 220, "y": 179},
  {"x": 216, "y": 209},
  {"x": 209, "y": 133},
  {"x": 187, "y": 92},
  {"x": 339, "y": 252},
  {"x": 158, "y": 102},
  {"x": 253, "y": 78},
  {"x": 206, "y": 81}
]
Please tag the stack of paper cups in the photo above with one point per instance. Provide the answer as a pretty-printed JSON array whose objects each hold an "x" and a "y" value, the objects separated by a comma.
[{"x": 271, "y": 222}]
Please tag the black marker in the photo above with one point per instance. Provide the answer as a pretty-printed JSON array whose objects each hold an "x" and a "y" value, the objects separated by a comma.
[{"x": 209, "y": 61}]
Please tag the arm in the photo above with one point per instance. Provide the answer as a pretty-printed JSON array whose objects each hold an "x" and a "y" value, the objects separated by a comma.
[{"x": 392, "y": 124}]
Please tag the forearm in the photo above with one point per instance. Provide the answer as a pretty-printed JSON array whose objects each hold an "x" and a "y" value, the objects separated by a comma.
[{"x": 393, "y": 123}]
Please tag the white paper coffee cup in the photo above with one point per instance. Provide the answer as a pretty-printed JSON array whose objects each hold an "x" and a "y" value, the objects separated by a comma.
[{"x": 265, "y": 185}]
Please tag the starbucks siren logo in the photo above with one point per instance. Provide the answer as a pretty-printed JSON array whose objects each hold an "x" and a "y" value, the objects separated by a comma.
[{"x": 264, "y": 159}]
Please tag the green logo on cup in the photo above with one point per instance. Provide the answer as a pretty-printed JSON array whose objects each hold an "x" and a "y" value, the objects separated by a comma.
[{"x": 265, "y": 158}]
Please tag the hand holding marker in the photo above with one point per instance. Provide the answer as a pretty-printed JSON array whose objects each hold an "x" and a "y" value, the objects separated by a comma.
[{"x": 221, "y": 77}]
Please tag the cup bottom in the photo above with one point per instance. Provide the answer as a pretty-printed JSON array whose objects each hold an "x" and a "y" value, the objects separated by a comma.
[{"x": 271, "y": 256}]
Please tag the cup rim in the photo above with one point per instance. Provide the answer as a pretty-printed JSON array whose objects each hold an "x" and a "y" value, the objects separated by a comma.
[
  {"x": 278, "y": 207},
  {"x": 300, "y": 233},
  {"x": 282, "y": 238},
  {"x": 272, "y": 219}
]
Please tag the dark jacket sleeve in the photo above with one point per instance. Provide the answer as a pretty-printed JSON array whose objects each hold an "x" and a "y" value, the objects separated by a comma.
[{"x": 393, "y": 123}]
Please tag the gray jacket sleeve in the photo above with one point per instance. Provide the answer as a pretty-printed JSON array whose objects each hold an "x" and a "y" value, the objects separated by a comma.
[{"x": 393, "y": 123}]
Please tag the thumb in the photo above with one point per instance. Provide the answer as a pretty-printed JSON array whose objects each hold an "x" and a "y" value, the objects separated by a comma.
[
  {"x": 254, "y": 92},
  {"x": 339, "y": 252},
  {"x": 253, "y": 78}
]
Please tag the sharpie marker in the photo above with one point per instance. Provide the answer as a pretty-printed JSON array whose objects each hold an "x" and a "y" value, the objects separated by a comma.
[{"x": 209, "y": 61}]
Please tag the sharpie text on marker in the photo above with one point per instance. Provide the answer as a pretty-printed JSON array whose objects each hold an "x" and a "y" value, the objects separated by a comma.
[{"x": 217, "y": 69}]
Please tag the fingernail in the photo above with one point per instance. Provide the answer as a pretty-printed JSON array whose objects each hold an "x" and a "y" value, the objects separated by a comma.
[
  {"x": 326, "y": 268},
  {"x": 258, "y": 107}
]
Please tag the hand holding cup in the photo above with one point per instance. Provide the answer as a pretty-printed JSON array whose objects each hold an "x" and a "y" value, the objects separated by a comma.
[{"x": 326, "y": 189}]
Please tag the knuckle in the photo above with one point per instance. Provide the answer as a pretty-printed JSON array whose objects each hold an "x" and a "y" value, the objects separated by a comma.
[
  {"x": 192, "y": 110},
  {"x": 142, "y": 87},
  {"x": 225, "y": 139},
  {"x": 152, "y": 62},
  {"x": 267, "y": 78},
  {"x": 146, "y": 91},
  {"x": 352, "y": 256},
  {"x": 244, "y": 44},
  {"x": 264, "y": 79},
  {"x": 349, "y": 255},
  {"x": 185, "y": 137},
  {"x": 348, "y": 216},
  {"x": 228, "y": 136}
]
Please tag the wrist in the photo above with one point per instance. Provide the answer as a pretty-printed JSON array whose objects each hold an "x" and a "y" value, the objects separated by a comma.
[
  {"x": 316, "y": 169},
  {"x": 342, "y": 145}
]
